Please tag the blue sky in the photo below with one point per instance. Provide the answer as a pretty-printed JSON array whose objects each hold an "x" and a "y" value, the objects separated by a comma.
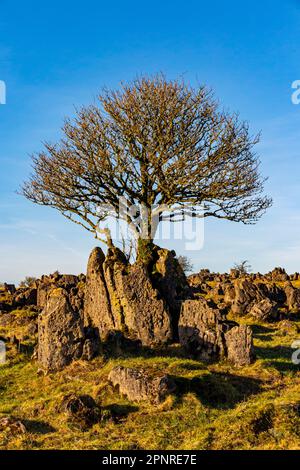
[{"x": 56, "y": 56}]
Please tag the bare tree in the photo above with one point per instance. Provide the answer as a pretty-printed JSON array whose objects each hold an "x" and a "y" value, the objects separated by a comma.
[
  {"x": 243, "y": 267},
  {"x": 28, "y": 281},
  {"x": 185, "y": 263},
  {"x": 153, "y": 144}
]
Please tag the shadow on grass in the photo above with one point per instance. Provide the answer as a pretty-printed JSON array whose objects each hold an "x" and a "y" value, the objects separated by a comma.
[
  {"x": 120, "y": 411},
  {"x": 218, "y": 390},
  {"x": 38, "y": 427},
  {"x": 279, "y": 357},
  {"x": 263, "y": 333}
]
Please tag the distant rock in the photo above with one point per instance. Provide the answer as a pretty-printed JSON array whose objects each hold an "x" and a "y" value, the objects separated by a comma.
[
  {"x": 292, "y": 297},
  {"x": 25, "y": 297}
]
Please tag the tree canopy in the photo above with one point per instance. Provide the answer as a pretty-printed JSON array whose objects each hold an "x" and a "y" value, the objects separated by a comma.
[{"x": 153, "y": 144}]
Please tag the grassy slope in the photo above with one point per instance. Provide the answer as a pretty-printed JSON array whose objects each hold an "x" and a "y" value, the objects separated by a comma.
[{"x": 216, "y": 407}]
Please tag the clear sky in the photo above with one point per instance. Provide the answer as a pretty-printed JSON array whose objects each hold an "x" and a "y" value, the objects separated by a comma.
[{"x": 57, "y": 55}]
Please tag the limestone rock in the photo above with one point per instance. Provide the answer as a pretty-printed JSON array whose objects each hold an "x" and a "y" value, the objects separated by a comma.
[
  {"x": 13, "y": 425},
  {"x": 25, "y": 297},
  {"x": 201, "y": 329},
  {"x": 97, "y": 308},
  {"x": 170, "y": 280},
  {"x": 60, "y": 332},
  {"x": 292, "y": 297},
  {"x": 82, "y": 410},
  {"x": 265, "y": 310},
  {"x": 137, "y": 385},
  {"x": 239, "y": 344}
]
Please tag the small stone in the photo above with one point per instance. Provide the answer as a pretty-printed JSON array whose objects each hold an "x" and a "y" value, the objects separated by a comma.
[{"x": 137, "y": 385}]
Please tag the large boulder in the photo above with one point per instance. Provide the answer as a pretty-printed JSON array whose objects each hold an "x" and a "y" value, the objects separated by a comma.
[
  {"x": 137, "y": 306},
  {"x": 201, "y": 329},
  {"x": 246, "y": 293},
  {"x": 205, "y": 334},
  {"x": 48, "y": 283},
  {"x": 60, "y": 332},
  {"x": 137, "y": 385},
  {"x": 122, "y": 297},
  {"x": 239, "y": 345}
]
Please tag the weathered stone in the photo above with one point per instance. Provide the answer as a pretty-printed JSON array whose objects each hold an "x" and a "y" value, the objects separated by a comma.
[
  {"x": 170, "y": 280},
  {"x": 292, "y": 297},
  {"x": 60, "y": 332},
  {"x": 137, "y": 385},
  {"x": 265, "y": 310},
  {"x": 201, "y": 329},
  {"x": 13, "y": 425},
  {"x": 90, "y": 349},
  {"x": 137, "y": 307},
  {"x": 11, "y": 288},
  {"x": 82, "y": 410},
  {"x": 239, "y": 345},
  {"x": 246, "y": 292},
  {"x": 97, "y": 308},
  {"x": 25, "y": 297},
  {"x": 279, "y": 275}
]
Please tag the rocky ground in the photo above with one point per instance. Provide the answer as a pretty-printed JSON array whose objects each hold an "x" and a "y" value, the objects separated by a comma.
[{"x": 132, "y": 357}]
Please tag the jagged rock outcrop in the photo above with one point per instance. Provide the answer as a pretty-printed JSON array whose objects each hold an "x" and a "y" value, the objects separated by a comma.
[
  {"x": 170, "y": 280},
  {"x": 60, "y": 332},
  {"x": 204, "y": 333},
  {"x": 97, "y": 308},
  {"x": 48, "y": 283},
  {"x": 126, "y": 300},
  {"x": 239, "y": 345},
  {"x": 278, "y": 275},
  {"x": 246, "y": 293},
  {"x": 12, "y": 425},
  {"x": 137, "y": 385}
]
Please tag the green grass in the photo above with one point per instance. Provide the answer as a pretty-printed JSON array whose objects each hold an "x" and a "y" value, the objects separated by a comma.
[{"x": 215, "y": 406}]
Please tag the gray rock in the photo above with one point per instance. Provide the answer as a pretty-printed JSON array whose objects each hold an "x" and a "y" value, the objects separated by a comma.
[
  {"x": 265, "y": 310},
  {"x": 201, "y": 329},
  {"x": 60, "y": 332},
  {"x": 239, "y": 345},
  {"x": 82, "y": 410},
  {"x": 97, "y": 308},
  {"x": 137, "y": 385}
]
